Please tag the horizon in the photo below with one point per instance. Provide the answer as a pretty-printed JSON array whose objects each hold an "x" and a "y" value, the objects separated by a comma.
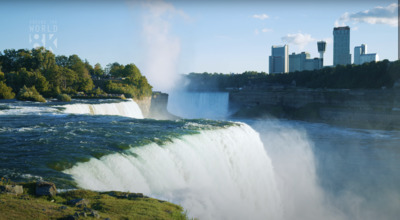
[{"x": 168, "y": 38}]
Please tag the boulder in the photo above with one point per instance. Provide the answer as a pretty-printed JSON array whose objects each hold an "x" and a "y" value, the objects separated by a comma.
[
  {"x": 12, "y": 189},
  {"x": 45, "y": 189},
  {"x": 79, "y": 202}
]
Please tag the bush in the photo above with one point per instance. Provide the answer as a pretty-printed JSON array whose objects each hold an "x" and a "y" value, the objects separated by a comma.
[
  {"x": 30, "y": 94},
  {"x": 6, "y": 92},
  {"x": 63, "y": 98}
]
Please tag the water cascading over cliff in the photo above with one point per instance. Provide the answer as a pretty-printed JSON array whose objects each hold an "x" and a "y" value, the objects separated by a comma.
[{"x": 211, "y": 105}]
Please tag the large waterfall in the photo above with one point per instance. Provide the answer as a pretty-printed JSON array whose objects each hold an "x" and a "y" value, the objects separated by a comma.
[
  {"x": 126, "y": 108},
  {"x": 212, "y": 105},
  {"x": 217, "y": 174}
]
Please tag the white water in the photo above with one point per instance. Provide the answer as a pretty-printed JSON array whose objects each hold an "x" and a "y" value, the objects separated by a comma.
[
  {"x": 218, "y": 174},
  {"x": 211, "y": 105},
  {"x": 127, "y": 109}
]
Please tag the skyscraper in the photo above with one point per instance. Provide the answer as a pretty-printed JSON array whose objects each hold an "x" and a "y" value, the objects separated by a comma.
[
  {"x": 341, "y": 46},
  {"x": 279, "y": 59}
]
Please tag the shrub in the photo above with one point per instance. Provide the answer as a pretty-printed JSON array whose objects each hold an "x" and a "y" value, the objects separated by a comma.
[
  {"x": 6, "y": 92},
  {"x": 30, "y": 94},
  {"x": 64, "y": 98}
]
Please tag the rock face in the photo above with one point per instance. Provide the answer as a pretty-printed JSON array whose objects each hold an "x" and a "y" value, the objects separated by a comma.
[
  {"x": 12, "y": 189},
  {"x": 378, "y": 108},
  {"x": 144, "y": 105},
  {"x": 45, "y": 189}
]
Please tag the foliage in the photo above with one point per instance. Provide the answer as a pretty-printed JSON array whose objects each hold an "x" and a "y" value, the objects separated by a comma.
[
  {"x": 53, "y": 75},
  {"x": 30, "y": 94},
  {"x": 366, "y": 76},
  {"x": 5, "y": 91},
  {"x": 64, "y": 98}
]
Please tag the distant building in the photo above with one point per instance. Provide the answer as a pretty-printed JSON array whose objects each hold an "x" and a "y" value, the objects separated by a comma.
[
  {"x": 321, "y": 50},
  {"x": 341, "y": 46},
  {"x": 302, "y": 61},
  {"x": 279, "y": 59},
  {"x": 361, "y": 56}
]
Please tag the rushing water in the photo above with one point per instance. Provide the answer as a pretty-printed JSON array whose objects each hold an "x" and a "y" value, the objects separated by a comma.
[{"x": 269, "y": 169}]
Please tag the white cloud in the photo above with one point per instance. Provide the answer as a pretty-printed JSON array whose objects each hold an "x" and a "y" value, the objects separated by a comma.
[
  {"x": 299, "y": 39},
  {"x": 378, "y": 15},
  {"x": 261, "y": 16},
  {"x": 328, "y": 40},
  {"x": 265, "y": 30},
  {"x": 162, "y": 47}
]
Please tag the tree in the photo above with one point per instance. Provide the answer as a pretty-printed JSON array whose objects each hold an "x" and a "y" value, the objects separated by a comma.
[
  {"x": 98, "y": 71},
  {"x": 6, "y": 92},
  {"x": 30, "y": 94}
]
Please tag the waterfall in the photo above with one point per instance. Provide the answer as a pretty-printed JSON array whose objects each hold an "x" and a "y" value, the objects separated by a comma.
[
  {"x": 211, "y": 105},
  {"x": 126, "y": 108},
  {"x": 217, "y": 174}
]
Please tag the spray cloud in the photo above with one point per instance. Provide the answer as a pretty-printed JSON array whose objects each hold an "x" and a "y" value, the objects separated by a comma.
[{"x": 162, "y": 48}]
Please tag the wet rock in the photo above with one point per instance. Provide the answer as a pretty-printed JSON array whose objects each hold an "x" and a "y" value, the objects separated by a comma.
[
  {"x": 95, "y": 214},
  {"x": 136, "y": 195},
  {"x": 79, "y": 202},
  {"x": 85, "y": 209},
  {"x": 71, "y": 217},
  {"x": 45, "y": 189},
  {"x": 12, "y": 189},
  {"x": 63, "y": 207}
]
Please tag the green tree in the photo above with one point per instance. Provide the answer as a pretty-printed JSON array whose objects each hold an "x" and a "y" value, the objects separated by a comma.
[
  {"x": 98, "y": 71},
  {"x": 6, "y": 92},
  {"x": 30, "y": 94}
]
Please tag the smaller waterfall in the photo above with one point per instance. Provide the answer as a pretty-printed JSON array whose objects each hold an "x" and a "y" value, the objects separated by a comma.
[
  {"x": 211, "y": 105},
  {"x": 127, "y": 109}
]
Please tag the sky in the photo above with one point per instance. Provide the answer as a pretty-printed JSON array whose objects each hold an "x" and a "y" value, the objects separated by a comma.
[{"x": 165, "y": 38}]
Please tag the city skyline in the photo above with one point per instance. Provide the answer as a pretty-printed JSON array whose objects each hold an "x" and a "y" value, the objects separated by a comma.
[{"x": 179, "y": 37}]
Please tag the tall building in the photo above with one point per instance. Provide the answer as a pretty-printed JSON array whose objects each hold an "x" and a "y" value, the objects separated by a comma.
[
  {"x": 279, "y": 59},
  {"x": 361, "y": 56},
  {"x": 341, "y": 46},
  {"x": 297, "y": 61},
  {"x": 302, "y": 61}
]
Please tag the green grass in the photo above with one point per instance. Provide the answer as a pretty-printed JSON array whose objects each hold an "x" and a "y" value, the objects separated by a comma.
[{"x": 113, "y": 205}]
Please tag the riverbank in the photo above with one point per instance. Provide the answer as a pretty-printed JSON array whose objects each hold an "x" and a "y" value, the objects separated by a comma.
[{"x": 77, "y": 204}]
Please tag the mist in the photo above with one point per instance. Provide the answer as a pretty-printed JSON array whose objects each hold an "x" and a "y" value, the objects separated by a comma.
[
  {"x": 327, "y": 172},
  {"x": 162, "y": 47}
]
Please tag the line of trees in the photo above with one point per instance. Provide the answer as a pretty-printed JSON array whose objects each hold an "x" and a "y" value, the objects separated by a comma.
[
  {"x": 372, "y": 75},
  {"x": 51, "y": 75}
]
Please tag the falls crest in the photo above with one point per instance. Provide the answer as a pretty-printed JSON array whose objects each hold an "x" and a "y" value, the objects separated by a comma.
[
  {"x": 217, "y": 174},
  {"x": 126, "y": 108}
]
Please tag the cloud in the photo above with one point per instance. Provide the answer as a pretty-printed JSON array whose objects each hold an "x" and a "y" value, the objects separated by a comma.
[
  {"x": 261, "y": 16},
  {"x": 162, "y": 48},
  {"x": 299, "y": 39},
  {"x": 265, "y": 30},
  {"x": 378, "y": 15}
]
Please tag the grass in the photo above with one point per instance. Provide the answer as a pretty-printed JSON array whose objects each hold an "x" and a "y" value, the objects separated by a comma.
[{"x": 113, "y": 205}]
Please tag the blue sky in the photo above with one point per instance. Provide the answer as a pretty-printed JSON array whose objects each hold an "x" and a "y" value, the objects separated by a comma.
[{"x": 164, "y": 38}]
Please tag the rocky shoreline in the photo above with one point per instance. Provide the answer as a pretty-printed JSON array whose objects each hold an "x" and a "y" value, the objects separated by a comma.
[{"x": 41, "y": 200}]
